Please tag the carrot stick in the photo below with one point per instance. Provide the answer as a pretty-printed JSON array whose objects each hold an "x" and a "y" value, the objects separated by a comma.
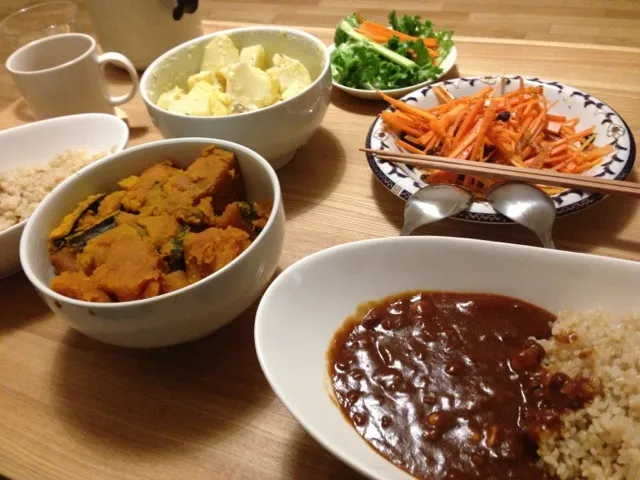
[
  {"x": 411, "y": 138},
  {"x": 556, "y": 118},
  {"x": 409, "y": 147},
  {"x": 466, "y": 142},
  {"x": 398, "y": 124},
  {"x": 405, "y": 107},
  {"x": 487, "y": 118},
  {"x": 598, "y": 152},
  {"x": 424, "y": 139},
  {"x": 466, "y": 124},
  {"x": 381, "y": 30},
  {"x": 372, "y": 36},
  {"x": 576, "y": 136},
  {"x": 559, "y": 149},
  {"x": 482, "y": 93}
]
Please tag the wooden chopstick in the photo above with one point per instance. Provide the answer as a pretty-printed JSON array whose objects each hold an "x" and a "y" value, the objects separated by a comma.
[{"x": 507, "y": 172}]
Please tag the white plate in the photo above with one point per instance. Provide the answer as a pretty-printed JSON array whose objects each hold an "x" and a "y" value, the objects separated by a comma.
[
  {"x": 446, "y": 65},
  {"x": 611, "y": 129},
  {"x": 39, "y": 142},
  {"x": 308, "y": 302}
]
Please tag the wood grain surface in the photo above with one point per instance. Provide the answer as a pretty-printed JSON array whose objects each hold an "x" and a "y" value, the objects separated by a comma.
[{"x": 74, "y": 409}]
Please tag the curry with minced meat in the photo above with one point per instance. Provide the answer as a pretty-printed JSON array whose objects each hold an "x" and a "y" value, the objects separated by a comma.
[{"x": 450, "y": 385}]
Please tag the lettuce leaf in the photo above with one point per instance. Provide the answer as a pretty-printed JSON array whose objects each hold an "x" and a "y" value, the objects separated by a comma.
[
  {"x": 358, "y": 65},
  {"x": 340, "y": 36},
  {"x": 411, "y": 25},
  {"x": 445, "y": 42},
  {"x": 414, "y": 26}
]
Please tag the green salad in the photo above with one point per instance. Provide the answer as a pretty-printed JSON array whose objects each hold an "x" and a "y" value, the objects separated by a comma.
[{"x": 371, "y": 56}]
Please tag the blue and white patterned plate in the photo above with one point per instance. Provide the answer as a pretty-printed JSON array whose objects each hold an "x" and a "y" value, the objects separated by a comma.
[{"x": 611, "y": 129}]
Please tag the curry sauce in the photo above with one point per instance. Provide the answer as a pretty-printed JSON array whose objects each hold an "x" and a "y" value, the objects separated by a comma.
[{"x": 450, "y": 385}]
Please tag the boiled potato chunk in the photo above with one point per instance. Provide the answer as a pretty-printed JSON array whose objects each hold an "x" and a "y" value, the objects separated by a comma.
[
  {"x": 254, "y": 56},
  {"x": 192, "y": 105},
  {"x": 219, "y": 53},
  {"x": 290, "y": 74},
  {"x": 204, "y": 87},
  {"x": 222, "y": 75},
  {"x": 205, "y": 76},
  {"x": 233, "y": 81},
  {"x": 218, "y": 101},
  {"x": 251, "y": 87},
  {"x": 169, "y": 97}
]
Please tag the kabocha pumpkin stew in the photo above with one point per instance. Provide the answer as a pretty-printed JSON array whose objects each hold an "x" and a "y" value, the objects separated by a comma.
[{"x": 161, "y": 231}]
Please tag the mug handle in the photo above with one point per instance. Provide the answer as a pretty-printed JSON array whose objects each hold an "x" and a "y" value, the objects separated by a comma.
[{"x": 121, "y": 61}]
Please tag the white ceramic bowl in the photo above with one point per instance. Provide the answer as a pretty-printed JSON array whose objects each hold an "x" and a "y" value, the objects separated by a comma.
[
  {"x": 186, "y": 314},
  {"x": 275, "y": 132},
  {"x": 446, "y": 65},
  {"x": 39, "y": 142},
  {"x": 308, "y": 302}
]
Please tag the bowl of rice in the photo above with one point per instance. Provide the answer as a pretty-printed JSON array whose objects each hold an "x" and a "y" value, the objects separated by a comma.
[{"x": 37, "y": 157}]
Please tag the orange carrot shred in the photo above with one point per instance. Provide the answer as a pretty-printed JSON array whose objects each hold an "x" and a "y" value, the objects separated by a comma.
[{"x": 512, "y": 128}]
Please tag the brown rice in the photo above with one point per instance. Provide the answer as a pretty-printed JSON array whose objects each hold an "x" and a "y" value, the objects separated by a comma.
[
  {"x": 22, "y": 189},
  {"x": 601, "y": 441}
]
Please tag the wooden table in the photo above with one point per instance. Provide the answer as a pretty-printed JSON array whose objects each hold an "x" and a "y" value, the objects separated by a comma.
[{"x": 72, "y": 408}]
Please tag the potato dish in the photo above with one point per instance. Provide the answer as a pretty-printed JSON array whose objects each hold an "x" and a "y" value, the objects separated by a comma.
[
  {"x": 161, "y": 231},
  {"x": 235, "y": 81}
]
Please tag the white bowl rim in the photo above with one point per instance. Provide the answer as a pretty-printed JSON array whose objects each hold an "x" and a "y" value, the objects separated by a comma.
[
  {"x": 35, "y": 125},
  {"x": 97, "y": 306},
  {"x": 144, "y": 81},
  {"x": 401, "y": 90},
  {"x": 260, "y": 324}
]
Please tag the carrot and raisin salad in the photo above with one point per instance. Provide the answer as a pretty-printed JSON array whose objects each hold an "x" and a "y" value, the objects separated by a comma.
[{"x": 515, "y": 128}]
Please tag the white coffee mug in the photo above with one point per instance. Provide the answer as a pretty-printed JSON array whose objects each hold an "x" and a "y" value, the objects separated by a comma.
[{"x": 62, "y": 75}]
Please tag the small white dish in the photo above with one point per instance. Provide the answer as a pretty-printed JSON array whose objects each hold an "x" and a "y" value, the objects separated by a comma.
[
  {"x": 610, "y": 128},
  {"x": 39, "y": 142},
  {"x": 180, "y": 316},
  {"x": 446, "y": 65},
  {"x": 275, "y": 132},
  {"x": 308, "y": 302}
]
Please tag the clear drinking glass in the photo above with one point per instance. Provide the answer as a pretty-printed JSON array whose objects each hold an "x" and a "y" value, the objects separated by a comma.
[{"x": 38, "y": 21}]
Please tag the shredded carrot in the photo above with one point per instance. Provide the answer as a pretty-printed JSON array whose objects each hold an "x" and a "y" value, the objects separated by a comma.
[
  {"x": 375, "y": 31},
  {"x": 400, "y": 124},
  {"x": 426, "y": 138},
  {"x": 556, "y": 118},
  {"x": 442, "y": 95},
  {"x": 469, "y": 119},
  {"x": 408, "y": 147},
  {"x": 487, "y": 119},
  {"x": 513, "y": 128}
]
